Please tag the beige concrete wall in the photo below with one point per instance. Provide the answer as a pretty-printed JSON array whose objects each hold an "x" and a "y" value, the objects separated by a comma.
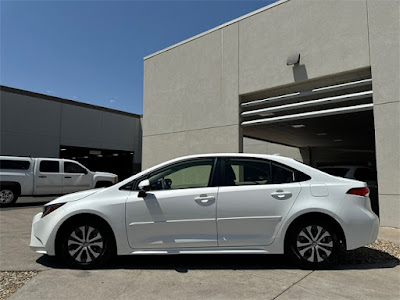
[
  {"x": 191, "y": 98},
  {"x": 331, "y": 36},
  {"x": 261, "y": 147},
  {"x": 191, "y": 91},
  {"x": 159, "y": 148},
  {"x": 384, "y": 33},
  {"x": 196, "y": 85}
]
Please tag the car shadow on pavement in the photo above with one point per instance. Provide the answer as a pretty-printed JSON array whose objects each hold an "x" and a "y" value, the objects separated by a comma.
[{"x": 362, "y": 258}]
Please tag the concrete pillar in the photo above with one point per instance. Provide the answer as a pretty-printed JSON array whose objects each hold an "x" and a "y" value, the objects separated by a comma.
[{"x": 384, "y": 42}]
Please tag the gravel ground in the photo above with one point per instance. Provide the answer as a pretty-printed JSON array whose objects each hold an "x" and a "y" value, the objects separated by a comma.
[
  {"x": 10, "y": 282},
  {"x": 380, "y": 252}
]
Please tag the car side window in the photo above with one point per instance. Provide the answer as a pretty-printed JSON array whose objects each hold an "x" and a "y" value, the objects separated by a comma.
[
  {"x": 184, "y": 175},
  {"x": 49, "y": 166},
  {"x": 250, "y": 171},
  {"x": 246, "y": 171},
  {"x": 14, "y": 165},
  {"x": 281, "y": 174},
  {"x": 70, "y": 167}
]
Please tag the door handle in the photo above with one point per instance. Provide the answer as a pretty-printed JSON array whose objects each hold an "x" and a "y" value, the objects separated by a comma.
[
  {"x": 42, "y": 176},
  {"x": 204, "y": 199},
  {"x": 67, "y": 177},
  {"x": 279, "y": 194}
]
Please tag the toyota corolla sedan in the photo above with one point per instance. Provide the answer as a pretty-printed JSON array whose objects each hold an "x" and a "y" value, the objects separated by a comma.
[{"x": 214, "y": 203}]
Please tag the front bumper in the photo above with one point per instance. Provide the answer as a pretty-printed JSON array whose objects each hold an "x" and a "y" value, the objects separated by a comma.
[
  {"x": 44, "y": 231},
  {"x": 36, "y": 244}
]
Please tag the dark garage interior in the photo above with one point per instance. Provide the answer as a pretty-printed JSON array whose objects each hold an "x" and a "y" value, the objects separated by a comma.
[{"x": 115, "y": 161}]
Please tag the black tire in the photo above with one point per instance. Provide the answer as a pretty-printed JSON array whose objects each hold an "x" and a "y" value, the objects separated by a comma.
[
  {"x": 8, "y": 196},
  {"x": 86, "y": 244},
  {"x": 313, "y": 244}
]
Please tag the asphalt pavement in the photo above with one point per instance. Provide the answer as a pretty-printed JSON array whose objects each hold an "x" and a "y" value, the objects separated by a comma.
[{"x": 186, "y": 276}]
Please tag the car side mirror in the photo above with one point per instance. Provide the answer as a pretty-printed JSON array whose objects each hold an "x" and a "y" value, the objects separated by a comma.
[
  {"x": 86, "y": 172},
  {"x": 144, "y": 186}
]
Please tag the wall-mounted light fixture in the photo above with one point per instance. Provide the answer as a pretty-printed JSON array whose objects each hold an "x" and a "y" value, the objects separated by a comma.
[{"x": 293, "y": 59}]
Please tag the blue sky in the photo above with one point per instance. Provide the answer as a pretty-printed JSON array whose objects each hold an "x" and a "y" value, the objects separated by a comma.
[{"x": 92, "y": 51}]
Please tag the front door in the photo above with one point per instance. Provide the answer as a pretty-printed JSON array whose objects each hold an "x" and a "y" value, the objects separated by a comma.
[
  {"x": 178, "y": 212},
  {"x": 75, "y": 178}
]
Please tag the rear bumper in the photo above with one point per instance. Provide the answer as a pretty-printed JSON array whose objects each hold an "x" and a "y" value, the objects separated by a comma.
[{"x": 360, "y": 224}]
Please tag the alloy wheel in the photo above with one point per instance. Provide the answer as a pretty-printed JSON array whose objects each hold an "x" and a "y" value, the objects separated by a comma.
[
  {"x": 314, "y": 243},
  {"x": 85, "y": 244}
]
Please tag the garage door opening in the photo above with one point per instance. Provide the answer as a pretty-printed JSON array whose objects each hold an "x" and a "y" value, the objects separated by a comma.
[
  {"x": 114, "y": 161},
  {"x": 330, "y": 120}
]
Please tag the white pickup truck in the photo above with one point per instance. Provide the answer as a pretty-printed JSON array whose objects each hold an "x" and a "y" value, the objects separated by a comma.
[{"x": 25, "y": 176}]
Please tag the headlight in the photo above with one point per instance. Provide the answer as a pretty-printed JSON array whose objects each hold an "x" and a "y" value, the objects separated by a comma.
[{"x": 47, "y": 209}]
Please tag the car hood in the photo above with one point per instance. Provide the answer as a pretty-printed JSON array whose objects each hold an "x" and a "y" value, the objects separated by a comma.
[
  {"x": 105, "y": 174},
  {"x": 74, "y": 196}
]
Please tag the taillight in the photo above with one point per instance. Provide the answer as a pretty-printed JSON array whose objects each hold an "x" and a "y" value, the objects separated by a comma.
[
  {"x": 116, "y": 179},
  {"x": 359, "y": 191}
]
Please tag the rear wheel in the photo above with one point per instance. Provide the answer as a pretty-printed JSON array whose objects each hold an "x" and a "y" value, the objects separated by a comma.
[
  {"x": 86, "y": 244},
  {"x": 313, "y": 244},
  {"x": 8, "y": 196}
]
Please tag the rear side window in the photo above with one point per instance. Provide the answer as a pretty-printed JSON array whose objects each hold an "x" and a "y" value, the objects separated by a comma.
[
  {"x": 246, "y": 171},
  {"x": 14, "y": 164},
  {"x": 49, "y": 166},
  {"x": 249, "y": 171},
  {"x": 281, "y": 174}
]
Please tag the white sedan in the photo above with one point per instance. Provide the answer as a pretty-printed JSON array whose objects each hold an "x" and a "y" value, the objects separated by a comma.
[{"x": 214, "y": 203}]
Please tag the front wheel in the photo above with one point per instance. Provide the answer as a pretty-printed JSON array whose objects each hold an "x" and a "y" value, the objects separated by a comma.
[
  {"x": 86, "y": 245},
  {"x": 313, "y": 245}
]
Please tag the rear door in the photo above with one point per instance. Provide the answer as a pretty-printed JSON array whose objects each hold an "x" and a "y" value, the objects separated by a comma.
[
  {"x": 48, "y": 178},
  {"x": 76, "y": 177},
  {"x": 254, "y": 198}
]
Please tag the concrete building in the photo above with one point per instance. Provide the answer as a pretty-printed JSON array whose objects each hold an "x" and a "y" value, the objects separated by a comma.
[
  {"x": 38, "y": 125},
  {"x": 241, "y": 88}
]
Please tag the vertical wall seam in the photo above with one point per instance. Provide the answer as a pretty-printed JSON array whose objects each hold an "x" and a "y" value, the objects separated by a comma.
[
  {"x": 221, "y": 86},
  {"x": 60, "y": 130},
  {"x": 369, "y": 41},
  {"x": 240, "y": 130}
]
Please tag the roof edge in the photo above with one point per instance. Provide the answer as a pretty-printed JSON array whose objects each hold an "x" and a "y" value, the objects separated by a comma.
[
  {"x": 216, "y": 28},
  {"x": 66, "y": 101}
]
